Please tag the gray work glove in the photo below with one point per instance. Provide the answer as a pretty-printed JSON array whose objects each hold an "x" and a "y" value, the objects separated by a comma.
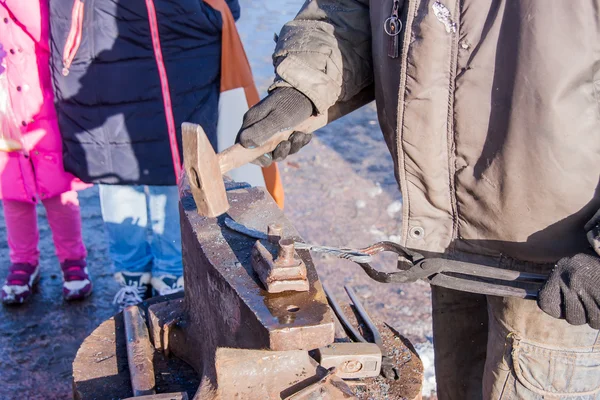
[
  {"x": 572, "y": 291},
  {"x": 593, "y": 232},
  {"x": 283, "y": 109}
]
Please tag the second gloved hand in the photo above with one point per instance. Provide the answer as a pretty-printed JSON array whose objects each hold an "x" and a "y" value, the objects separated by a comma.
[
  {"x": 572, "y": 291},
  {"x": 283, "y": 109}
]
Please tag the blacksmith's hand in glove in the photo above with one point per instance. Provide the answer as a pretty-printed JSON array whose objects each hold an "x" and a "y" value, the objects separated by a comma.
[
  {"x": 573, "y": 290},
  {"x": 281, "y": 110}
]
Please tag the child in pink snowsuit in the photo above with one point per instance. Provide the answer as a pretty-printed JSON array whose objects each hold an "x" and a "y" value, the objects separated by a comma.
[{"x": 36, "y": 173}]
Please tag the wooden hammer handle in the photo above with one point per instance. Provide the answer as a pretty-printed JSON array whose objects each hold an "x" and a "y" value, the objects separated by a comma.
[{"x": 235, "y": 156}]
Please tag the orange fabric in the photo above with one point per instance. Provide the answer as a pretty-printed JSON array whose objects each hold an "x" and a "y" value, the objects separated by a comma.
[
  {"x": 273, "y": 183},
  {"x": 236, "y": 73}
]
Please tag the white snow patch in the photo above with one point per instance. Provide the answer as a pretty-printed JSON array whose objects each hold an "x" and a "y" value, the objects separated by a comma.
[
  {"x": 394, "y": 208},
  {"x": 425, "y": 351},
  {"x": 375, "y": 191},
  {"x": 378, "y": 234},
  {"x": 395, "y": 238}
]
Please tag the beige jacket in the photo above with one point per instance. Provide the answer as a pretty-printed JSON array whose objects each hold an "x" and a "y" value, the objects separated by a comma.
[{"x": 491, "y": 112}]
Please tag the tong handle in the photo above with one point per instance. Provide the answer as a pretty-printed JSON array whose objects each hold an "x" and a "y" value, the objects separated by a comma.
[
  {"x": 480, "y": 271},
  {"x": 489, "y": 289},
  {"x": 436, "y": 270}
]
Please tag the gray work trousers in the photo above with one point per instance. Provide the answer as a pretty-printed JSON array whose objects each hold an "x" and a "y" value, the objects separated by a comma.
[{"x": 506, "y": 348}]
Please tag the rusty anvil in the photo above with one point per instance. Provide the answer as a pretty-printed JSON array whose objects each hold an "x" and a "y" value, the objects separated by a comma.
[
  {"x": 205, "y": 168},
  {"x": 242, "y": 341},
  {"x": 225, "y": 307}
]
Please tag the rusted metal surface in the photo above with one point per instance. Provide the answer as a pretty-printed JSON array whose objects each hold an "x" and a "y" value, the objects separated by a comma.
[
  {"x": 100, "y": 367},
  {"x": 329, "y": 387},
  {"x": 225, "y": 304},
  {"x": 387, "y": 366},
  {"x": 287, "y": 272},
  {"x": 221, "y": 283},
  {"x": 226, "y": 307},
  {"x": 162, "y": 317},
  {"x": 101, "y": 371},
  {"x": 140, "y": 353},
  {"x": 163, "y": 396},
  {"x": 274, "y": 233},
  {"x": 351, "y": 360},
  {"x": 262, "y": 374},
  {"x": 404, "y": 358}
]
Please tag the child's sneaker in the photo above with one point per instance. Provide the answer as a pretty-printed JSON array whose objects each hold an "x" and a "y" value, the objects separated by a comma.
[
  {"x": 76, "y": 280},
  {"x": 135, "y": 288},
  {"x": 18, "y": 286},
  {"x": 166, "y": 284}
]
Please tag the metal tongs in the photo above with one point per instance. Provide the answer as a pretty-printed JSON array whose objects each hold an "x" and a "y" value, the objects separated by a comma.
[{"x": 451, "y": 274}]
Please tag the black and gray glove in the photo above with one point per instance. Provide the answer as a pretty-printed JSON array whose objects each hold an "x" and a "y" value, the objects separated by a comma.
[
  {"x": 283, "y": 109},
  {"x": 572, "y": 291},
  {"x": 593, "y": 232}
]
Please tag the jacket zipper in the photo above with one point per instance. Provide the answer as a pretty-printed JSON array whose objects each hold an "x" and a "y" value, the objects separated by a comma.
[
  {"x": 411, "y": 6},
  {"x": 392, "y": 27},
  {"x": 74, "y": 38}
]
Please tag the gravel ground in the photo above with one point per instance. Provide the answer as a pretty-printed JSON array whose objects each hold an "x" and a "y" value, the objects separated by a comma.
[{"x": 340, "y": 192}]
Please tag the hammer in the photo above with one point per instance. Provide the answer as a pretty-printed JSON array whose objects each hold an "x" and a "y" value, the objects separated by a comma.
[{"x": 205, "y": 168}]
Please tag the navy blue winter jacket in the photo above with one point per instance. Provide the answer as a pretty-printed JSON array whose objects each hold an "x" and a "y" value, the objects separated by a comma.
[{"x": 110, "y": 100}]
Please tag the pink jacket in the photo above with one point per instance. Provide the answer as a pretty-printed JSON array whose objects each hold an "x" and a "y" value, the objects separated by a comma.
[{"x": 24, "y": 33}]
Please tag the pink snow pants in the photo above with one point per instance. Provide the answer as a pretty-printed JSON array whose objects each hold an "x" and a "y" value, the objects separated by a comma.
[{"x": 64, "y": 219}]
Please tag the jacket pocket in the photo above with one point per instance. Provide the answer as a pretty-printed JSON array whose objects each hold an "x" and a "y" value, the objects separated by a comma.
[{"x": 555, "y": 371}]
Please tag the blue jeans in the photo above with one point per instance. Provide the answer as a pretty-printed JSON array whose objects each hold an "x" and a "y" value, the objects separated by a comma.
[{"x": 142, "y": 223}]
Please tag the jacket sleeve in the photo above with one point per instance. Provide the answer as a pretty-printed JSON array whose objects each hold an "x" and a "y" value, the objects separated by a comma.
[
  {"x": 325, "y": 52},
  {"x": 234, "y": 6}
]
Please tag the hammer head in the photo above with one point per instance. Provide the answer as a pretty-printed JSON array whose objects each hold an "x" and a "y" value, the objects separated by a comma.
[{"x": 203, "y": 171}]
